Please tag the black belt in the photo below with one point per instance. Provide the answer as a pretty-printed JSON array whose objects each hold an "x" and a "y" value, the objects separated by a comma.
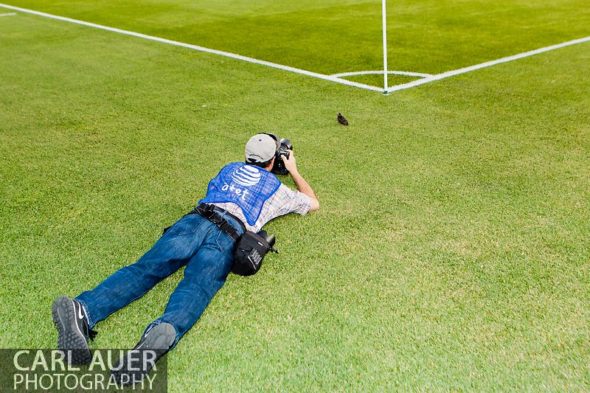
[{"x": 214, "y": 214}]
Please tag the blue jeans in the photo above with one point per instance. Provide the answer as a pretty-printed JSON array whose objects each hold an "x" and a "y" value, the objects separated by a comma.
[{"x": 193, "y": 241}]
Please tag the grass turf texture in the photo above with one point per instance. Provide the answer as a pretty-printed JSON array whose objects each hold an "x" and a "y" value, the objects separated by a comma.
[
  {"x": 451, "y": 251},
  {"x": 332, "y": 36}
]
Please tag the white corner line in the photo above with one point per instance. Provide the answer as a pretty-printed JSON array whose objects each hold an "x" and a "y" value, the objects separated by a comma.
[
  {"x": 353, "y": 84},
  {"x": 491, "y": 63},
  {"x": 8, "y": 14},
  {"x": 403, "y": 73},
  {"x": 196, "y": 48},
  {"x": 336, "y": 78}
]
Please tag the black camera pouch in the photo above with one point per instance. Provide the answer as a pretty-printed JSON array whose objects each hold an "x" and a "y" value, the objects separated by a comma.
[{"x": 249, "y": 253}]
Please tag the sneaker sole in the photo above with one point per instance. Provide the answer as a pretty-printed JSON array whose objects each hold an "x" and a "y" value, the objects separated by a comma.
[
  {"x": 158, "y": 339},
  {"x": 160, "y": 336},
  {"x": 70, "y": 339}
]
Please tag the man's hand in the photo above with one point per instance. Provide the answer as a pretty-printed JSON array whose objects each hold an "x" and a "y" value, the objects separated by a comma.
[
  {"x": 290, "y": 163},
  {"x": 302, "y": 185}
]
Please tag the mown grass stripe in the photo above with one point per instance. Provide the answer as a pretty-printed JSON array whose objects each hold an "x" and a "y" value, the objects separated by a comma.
[
  {"x": 486, "y": 64},
  {"x": 196, "y": 48}
]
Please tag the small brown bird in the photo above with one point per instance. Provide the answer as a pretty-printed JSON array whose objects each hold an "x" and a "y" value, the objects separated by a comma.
[{"x": 342, "y": 120}]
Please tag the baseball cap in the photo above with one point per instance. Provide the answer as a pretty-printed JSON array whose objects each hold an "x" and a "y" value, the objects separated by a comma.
[{"x": 260, "y": 148}]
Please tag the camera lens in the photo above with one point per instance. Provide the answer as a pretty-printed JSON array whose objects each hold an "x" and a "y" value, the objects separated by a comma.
[{"x": 270, "y": 239}]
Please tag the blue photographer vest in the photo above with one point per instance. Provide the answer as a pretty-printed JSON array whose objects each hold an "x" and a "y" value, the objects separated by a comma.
[{"x": 247, "y": 186}]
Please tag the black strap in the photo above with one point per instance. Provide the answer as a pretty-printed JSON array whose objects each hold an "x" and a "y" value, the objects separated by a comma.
[{"x": 212, "y": 213}]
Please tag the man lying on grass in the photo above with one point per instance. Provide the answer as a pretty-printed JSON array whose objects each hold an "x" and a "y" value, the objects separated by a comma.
[{"x": 243, "y": 196}]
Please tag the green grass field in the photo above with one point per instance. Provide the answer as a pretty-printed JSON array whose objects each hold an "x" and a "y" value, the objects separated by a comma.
[{"x": 451, "y": 252}]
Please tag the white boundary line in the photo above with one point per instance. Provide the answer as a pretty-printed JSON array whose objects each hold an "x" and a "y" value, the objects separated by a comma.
[
  {"x": 8, "y": 14},
  {"x": 403, "y": 73},
  {"x": 491, "y": 63},
  {"x": 197, "y": 48},
  {"x": 384, "y": 28},
  {"x": 331, "y": 78}
]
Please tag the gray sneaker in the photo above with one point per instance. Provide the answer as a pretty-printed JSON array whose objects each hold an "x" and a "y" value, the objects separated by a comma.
[
  {"x": 73, "y": 332},
  {"x": 138, "y": 362}
]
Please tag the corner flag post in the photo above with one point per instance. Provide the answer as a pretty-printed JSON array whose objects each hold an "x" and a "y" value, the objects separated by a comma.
[{"x": 384, "y": 17}]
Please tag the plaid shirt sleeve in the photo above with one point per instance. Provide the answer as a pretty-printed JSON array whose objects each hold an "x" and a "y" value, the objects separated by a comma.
[{"x": 287, "y": 201}]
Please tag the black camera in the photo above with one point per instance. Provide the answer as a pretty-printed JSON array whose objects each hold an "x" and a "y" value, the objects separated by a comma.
[
  {"x": 283, "y": 147},
  {"x": 282, "y": 151},
  {"x": 270, "y": 239}
]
